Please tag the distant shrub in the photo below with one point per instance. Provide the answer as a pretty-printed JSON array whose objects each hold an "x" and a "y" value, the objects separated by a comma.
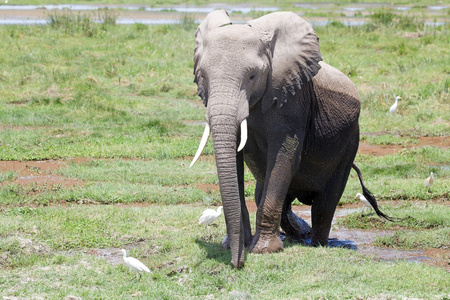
[
  {"x": 141, "y": 27},
  {"x": 409, "y": 23},
  {"x": 384, "y": 17},
  {"x": 387, "y": 18},
  {"x": 106, "y": 17},
  {"x": 336, "y": 24},
  {"x": 369, "y": 27},
  {"x": 188, "y": 22},
  {"x": 70, "y": 22}
]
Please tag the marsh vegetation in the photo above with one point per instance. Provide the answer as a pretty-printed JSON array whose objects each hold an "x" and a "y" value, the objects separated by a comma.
[{"x": 99, "y": 122}]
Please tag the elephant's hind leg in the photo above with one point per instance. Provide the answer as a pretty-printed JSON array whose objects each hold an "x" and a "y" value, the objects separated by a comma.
[
  {"x": 295, "y": 227},
  {"x": 324, "y": 206}
]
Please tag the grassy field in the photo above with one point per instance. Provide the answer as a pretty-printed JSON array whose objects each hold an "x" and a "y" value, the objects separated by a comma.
[{"x": 98, "y": 124}]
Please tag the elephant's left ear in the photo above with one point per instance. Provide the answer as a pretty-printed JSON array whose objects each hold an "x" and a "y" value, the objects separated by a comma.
[
  {"x": 212, "y": 21},
  {"x": 295, "y": 55}
]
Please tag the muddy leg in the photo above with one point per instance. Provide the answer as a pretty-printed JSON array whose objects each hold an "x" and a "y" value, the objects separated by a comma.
[{"x": 295, "y": 227}]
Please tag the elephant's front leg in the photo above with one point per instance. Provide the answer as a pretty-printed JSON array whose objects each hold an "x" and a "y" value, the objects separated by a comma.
[{"x": 280, "y": 170}]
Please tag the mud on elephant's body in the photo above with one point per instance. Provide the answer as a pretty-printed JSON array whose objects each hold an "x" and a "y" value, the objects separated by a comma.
[{"x": 265, "y": 87}]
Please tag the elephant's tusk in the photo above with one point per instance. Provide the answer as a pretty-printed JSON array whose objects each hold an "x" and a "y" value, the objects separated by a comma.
[
  {"x": 244, "y": 135},
  {"x": 202, "y": 144}
]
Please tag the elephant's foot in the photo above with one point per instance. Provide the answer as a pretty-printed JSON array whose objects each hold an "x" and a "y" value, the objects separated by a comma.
[
  {"x": 319, "y": 239},
  {"x": 296, "y": 228},
  {"x": 266, "y": 243}
]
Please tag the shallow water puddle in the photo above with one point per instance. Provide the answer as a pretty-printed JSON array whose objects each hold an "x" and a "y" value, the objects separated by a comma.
[
  {"x": 362, "y": 240},
  {"x": 112, "y": 255}
]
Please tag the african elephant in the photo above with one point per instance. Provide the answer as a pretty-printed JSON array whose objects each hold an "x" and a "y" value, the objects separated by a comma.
[{"x": 267, "y": 93}]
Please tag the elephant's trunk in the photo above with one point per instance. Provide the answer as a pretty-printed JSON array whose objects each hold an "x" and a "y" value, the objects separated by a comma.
[{"x": 225, "y": 127}]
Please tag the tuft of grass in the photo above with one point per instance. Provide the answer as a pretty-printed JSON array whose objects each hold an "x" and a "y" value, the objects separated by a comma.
[
  {"x": 69, "y": 22},
  {"x": 384, "y": 17},
  {"x": 8, "y": 176},
  {"x": 412, "y": 215},
  {"x": 408, "y": 240}
]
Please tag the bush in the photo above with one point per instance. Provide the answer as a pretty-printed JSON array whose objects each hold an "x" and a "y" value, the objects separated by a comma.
[
  {"x": 384, "y": 17},
  {"x": 72, "y": 23}
]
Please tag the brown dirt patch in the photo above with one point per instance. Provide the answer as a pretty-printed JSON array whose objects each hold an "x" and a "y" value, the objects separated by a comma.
[
  {"x": 438, "y": 258},
  {"x": 40, "y": 174},
  {"x": 380, "y": 150}
]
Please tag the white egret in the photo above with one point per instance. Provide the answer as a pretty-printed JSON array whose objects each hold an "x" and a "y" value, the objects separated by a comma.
[
  {"x": 134, "y": 264},
  {"x": 209, "y": 216},
  {"x": 365, "y": 202},
  {"x": 429, "y": 181},
  {"x": 394, "y": 106}
]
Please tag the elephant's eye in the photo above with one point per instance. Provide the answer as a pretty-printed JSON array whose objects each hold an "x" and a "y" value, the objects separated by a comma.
[{"x": 252, "y": 76}]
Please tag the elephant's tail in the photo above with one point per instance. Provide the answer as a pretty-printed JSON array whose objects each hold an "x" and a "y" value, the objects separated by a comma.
[{"x": 369, "y": 196}]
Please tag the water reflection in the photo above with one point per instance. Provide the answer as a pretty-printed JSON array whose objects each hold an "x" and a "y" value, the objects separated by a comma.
[
  {"x": 38, "y": 11},
  {"x": 128, "y": 21},
  {"x": 179, "y": 9},
  {"x": 24, "y": 22}
]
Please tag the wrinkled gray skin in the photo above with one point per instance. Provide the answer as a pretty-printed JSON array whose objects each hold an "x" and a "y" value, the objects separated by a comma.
[{"x": 303, "y": 130}]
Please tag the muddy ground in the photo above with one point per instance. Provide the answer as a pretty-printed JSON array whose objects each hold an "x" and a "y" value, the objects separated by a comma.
[{"x": 44, "y": 172}]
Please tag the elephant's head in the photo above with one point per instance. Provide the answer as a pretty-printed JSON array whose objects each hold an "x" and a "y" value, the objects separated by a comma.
[{"x": 236, "y": 67}]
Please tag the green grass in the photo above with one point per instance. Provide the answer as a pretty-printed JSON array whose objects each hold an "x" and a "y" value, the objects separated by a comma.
[
  {"x": 91, "y": 99},
  {"x": 186, "y": 260},
  {"x": 122, "y": 99},
  {"x": 156, "y": 172},
  {"x": 9, "y": 175},
  {"x": 437, "y": 239},
  {"x": 105, "y": 193},
  {"x": 413, "y": 216}
]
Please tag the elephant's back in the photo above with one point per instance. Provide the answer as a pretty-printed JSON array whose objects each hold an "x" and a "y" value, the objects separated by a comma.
[
  {"x": 337, "y": 102},
  {"x": 331, "y": 79}
]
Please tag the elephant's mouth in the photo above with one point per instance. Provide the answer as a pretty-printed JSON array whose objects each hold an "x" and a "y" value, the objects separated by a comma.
[{"x": 206, "y": 133}]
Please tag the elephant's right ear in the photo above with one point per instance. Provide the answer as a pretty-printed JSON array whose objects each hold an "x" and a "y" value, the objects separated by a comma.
[
  {"x": 295, "y": 55},
  {"x": 215, "y": 19}
]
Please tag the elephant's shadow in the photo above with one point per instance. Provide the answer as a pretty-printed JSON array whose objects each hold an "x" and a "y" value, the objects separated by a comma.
[
  {"x": 332, "y": 243},
  {"x": 215, "y": 251}
]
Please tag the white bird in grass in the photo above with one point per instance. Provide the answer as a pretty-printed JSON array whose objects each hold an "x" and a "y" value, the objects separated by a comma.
[
  {"x": 429, "y": 181},
  {"x": 394, "y": 106},
  {"x": 366, "y": 204},
  {"x": 209, "y": 216},
  {"x": 134, "y": 264}
]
